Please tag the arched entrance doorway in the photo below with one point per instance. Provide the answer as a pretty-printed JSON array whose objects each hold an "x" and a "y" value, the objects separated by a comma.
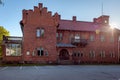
[{"x": 64, "y": 55}]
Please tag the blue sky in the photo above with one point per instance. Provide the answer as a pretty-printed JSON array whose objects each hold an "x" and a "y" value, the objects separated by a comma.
[{"x": 85, "y": 10}]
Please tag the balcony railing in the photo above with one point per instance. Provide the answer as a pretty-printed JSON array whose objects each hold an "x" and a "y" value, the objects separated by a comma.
[
  {"x": 11, "y": 39},
  {"x": 79, "y": 42}
]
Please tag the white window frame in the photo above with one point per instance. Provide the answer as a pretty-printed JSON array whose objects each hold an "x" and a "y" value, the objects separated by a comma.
[
  {"x": 102, "y": 38},
  {"x": 92, "y": 54},
  {"x": 102, "y": 54},
  {"x": 40, "y": 32},
  {"x": 92, "y": 37}
]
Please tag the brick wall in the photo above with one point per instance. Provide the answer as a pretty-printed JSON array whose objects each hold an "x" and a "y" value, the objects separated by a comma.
[
  {"x": 95, "y": 45},
  {"x": 39, "y": 18}
]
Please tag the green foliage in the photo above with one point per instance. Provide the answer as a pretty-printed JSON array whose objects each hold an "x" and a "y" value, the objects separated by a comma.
[{"x": 3, "y": 31}]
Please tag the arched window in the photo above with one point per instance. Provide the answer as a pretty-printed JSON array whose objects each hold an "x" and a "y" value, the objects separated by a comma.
[
  {"x": 40, "y": 51},
  {"x": 77, "y": 54}
]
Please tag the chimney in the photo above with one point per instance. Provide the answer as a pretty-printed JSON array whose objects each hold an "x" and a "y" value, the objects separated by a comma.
[
  {"x": 95, "y": 20},
  {"x": 74, "y": 18},
  {"x": 59, "y": 17}
]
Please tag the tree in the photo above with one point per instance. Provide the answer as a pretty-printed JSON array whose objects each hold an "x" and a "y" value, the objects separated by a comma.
[{"x": 3, "y": 31}]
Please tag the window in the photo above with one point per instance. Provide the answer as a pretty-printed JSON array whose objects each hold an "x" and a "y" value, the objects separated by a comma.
[
  {"x": 106, "y": 21},
  {"x": 82, "y": 36},
  {"x": 46, "y": 53},
  {"x": 102, "y": 38},
  {"x": 77, "y": 54},
  {"x": 13, "y": 50},
  {"x": 77, "y": 38},
  {"x": 81, "y": 54},
  {"x": 40, "y": 52},
  {"x": 92, "y": 54},
  {"x": 71, "y": 37},
  {"x": 40, "y": 32},
  {"x": 112, "y": 54},
  {"x": 33, "y": 53},
  {"x": 112, "y": 39},
  {"x": 74, "y": 54},
  {"x": 61, "y": 36},
  {"x": 57, "y": 35},
  {"x": 119, "y": 38},
  {"x": 102, "y": 54},
  {"x": 28, "y": 53},
  {"x": 92, "y": 37}
]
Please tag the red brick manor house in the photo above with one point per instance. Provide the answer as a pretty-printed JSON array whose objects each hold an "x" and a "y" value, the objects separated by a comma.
[{"x": 49, "y": 39}]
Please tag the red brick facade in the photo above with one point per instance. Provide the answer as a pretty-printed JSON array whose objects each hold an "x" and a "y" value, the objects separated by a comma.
[
  {"x": 49, "y": 39},
  {"x": 39, "y": 18}
]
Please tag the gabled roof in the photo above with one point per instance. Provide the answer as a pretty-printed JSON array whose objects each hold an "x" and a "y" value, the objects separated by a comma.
[{"x": 80, "y": 25}]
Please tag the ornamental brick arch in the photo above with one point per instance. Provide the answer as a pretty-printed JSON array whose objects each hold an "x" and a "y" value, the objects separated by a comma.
[{"x": 64, "y": 54}]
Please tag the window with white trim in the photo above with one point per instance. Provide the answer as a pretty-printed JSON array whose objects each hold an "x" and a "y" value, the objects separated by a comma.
[
  {"x": 13, "y": 49},
  {"x": 92, "y": 54},
  {"x": 40, "y": 32},
  {"x": 61, "y": 36},
  {"x": 57, "y": 35},
  {"x": 102, "y": 38},
  {"x": 77, "y": 54},
  {"x": 40, "y": 51},
  {"x": 77, "y": 38},
  {"x": 112, "y": 54},
  {"x": 102, "y": 54},
  {"x": 92, "y": 37},
  {"x": 112, "y": 39}
]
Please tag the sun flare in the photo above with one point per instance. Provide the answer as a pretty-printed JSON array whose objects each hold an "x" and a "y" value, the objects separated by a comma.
[{"x": 113, "y": 25}]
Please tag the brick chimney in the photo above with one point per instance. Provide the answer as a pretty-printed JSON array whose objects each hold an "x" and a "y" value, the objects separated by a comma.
[{"x": 74, "y": 18}]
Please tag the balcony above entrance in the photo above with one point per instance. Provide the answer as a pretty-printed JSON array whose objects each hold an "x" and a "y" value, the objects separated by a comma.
[
  {"x": 79, "y": 42},
  {"x": 65, "y": 45}
]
